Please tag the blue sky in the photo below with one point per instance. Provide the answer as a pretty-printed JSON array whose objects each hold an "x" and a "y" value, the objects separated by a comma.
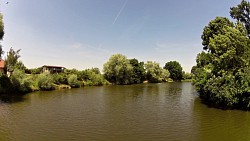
[{"x": 85, "y": 33}]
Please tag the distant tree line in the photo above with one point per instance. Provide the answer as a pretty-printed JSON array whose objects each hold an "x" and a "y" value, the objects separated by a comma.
[
  {"x": 117, "y": 70},
  {"x": 120, "y": 70}
]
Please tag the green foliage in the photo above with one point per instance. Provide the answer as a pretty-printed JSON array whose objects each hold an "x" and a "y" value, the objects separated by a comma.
[
  {"x": 203, "y": 59},
  {"x": 5, "y": 85},
  {"x": 231, "y": 50},
  {"x": 60, "y": 78},
  {"x": 186, "y": 75},
  {"x": 18, "y": 83},
  {"x": 138, "y": 72},
  {"x": 12, "y": 59},
  {"x": 214, "y": 28},
  {"x": 72, "y": 81},
  {"x": 118, "y": 70},
  {"x": 242, "y": 14},
  {"x": 1, "y": 27},
  {"x": 20, "y": 66},
  {"x": 222, "y": 76},
  {"x": 154, "y": 73},
  {"x": 174, "y": 69},
  {"x": 93, "y": 77},
  {"x": 35, "y": 70},
  {"x": 1, "y": 34},
  {"x": 45, "y": 82},
  {"x": 88, "y": 77}
]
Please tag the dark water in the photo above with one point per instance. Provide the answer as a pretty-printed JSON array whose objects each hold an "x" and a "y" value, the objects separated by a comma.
[{"x": 145, "y": 112}]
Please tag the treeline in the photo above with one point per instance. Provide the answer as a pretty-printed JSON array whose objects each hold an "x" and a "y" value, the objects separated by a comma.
[
  {"x": 118, "y": 71},
  {"x": 18, "y": 79},
  {"x": 222, "y": 73},
  {"x": 20, "y": 82}
]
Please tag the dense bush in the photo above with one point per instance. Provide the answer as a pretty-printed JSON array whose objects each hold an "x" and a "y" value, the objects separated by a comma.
[
  {"x": 18, "y": 83},
  {"x": 21, "y": 82},
  {"x": 5, "y": 84},
  {"x": 95, "y": 80},
  {"x": 72, "y": 81},
  {"x": 45, "y": 82},
  {"x": 154, "y": 73},
  {"x": 60, "y": 78}
]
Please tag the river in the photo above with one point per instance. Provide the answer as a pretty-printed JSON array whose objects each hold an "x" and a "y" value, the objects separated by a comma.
[{"x": 143, "y": 112}]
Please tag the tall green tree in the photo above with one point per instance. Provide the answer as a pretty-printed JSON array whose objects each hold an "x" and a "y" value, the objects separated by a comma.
[
  {"x": 225, "y": 81},
  {"x": 12, "y": 59},
  {"x": 1, "y": 33},
  {"x": 138, "y": 72},
  {"x": 214, "y": 28},
  {"x": 174, "y": 69},
  {"x": 242, "y": 14},
  {"x": 118, "y": 70}
]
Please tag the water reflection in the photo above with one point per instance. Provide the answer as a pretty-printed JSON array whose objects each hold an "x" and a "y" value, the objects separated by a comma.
[
  {"x": 218, "y": 124},
  {"x": 144, "y": 112},
  {"x": 11, "y": 99}
]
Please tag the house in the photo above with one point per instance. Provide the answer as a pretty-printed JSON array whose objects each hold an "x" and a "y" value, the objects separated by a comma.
[
  {"x": 2, "y": 66},
  {"x": 52, "y": 69}
]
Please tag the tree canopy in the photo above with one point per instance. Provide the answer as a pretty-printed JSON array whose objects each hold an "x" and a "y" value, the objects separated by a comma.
[
  {"x": 1, "y": 34},
  {"x": 242, "y": 14},
  {"x": 214, "y": 28},
  {"x": 174, "y": 69},
  {"x": 138, "y": 72},
  {"x": 118, "y": 69},
  {"x": 222, "y": 76},
  {"x": 1, "y": 27},
  {"x": 155, "y": 73}
]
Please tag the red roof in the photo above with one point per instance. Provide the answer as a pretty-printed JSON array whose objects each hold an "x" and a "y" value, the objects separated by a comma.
[{"x": 1, "y": 64}]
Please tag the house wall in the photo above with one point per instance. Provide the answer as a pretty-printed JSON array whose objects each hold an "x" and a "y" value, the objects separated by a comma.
[{"x": 52, "y": 69}]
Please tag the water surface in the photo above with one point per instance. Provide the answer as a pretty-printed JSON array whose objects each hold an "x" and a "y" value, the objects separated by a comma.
[{"x": 144, "y": 112}]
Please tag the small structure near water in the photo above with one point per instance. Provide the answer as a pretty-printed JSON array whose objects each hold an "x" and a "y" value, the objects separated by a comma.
[{"x": 52, "y": 69}]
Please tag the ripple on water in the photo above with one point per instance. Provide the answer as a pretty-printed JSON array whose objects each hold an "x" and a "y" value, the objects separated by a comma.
[{"x": 145, "y": 112}]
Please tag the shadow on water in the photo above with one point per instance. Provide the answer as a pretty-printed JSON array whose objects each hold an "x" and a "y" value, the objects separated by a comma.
[{"x": 11, "y": 98}]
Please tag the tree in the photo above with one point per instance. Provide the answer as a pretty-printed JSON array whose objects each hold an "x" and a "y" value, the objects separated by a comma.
[
  {"x": 242, "y": 14},
  {"x": 203, "y": 59},
  {"x": 138, "y": 72},
  {"x": 1, "y": 34},
  {"x": 154, "y": 73},
  {"x": 12, "y": 59},
  {"x": 225, "y": 81},
  {"x": 1, "y": 27},
  {"x": 186, "y": 75},
  {"x": 231, "y": 49},
  {"x": 20, "y": 66},
  {"x": 174, "y": 69},
  {"x": 214, "y": 28},
  {"x": 118, "y": 70}
]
